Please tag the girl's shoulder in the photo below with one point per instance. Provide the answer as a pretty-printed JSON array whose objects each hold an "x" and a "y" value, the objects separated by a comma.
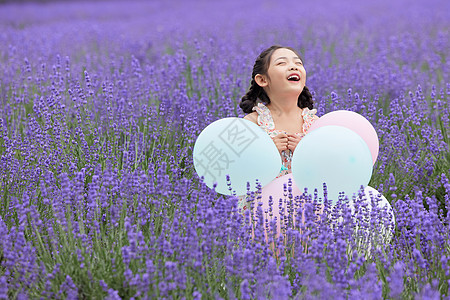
[
  {"x": 253, "y": 117},
  {"x": 261, "y": 116},
  {"x": 260, "y": 108}
]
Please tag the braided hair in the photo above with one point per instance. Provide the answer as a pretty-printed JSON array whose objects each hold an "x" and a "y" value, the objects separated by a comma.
[{"x": 255, "y": 92}]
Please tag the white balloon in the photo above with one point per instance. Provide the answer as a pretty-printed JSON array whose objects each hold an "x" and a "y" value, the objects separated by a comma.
[
  {"x": 371, "y": 228},
  {"x": 381, "y": 224}
]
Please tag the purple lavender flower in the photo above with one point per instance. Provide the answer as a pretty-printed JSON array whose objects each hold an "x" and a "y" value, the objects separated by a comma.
[{"x": 98, "y": 123}]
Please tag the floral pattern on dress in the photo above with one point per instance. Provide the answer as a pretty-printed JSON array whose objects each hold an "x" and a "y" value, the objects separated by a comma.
[{"x": 265, "y": 121}]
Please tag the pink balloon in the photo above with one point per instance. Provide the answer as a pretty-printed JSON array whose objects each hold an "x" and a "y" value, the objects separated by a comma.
[
  {"x": 355, "y": 122},
  {"x": 276, "y": 189}
]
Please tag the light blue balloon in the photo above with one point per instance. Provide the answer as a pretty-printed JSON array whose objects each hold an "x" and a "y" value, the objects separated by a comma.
[
  {"x": 239, "y": 148},
  {"x": 334, "y": 155}
]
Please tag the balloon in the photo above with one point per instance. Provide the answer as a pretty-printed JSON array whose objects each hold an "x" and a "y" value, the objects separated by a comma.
[
  {"x": 353, "y": 121},
  {"x": 386, "y": 215},
  {"x": 278, "y": 189},
  {"x": 238, "y": 148},
  {"x": 371, "y": 228},
  {"x": 334, "y": 155},
  {"x": 378, "y": 227}
]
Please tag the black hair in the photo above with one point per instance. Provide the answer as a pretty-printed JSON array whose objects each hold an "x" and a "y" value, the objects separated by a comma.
[{"x": 255, "y": 92}]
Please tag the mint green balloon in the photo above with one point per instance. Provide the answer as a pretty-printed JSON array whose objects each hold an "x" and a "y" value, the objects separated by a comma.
[
  {"x": 334, "y": 155},
  {"x": 238, "y": 148}
]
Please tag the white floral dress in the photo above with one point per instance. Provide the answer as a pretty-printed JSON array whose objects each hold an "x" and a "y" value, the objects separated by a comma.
[{"x": 265, "y": 121}]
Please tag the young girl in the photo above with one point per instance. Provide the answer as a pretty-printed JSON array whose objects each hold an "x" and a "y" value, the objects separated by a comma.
[{"x": 279, "y": 102}]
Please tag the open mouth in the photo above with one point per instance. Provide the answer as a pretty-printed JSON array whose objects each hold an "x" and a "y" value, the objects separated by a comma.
[{"x": 294, "y": 77}]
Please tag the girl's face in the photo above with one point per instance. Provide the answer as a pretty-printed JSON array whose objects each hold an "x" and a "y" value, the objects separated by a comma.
[{"x": 285, "y": 75}]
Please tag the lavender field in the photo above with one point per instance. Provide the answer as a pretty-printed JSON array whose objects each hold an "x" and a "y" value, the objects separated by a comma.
[{"x": 101, "y": 104}]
